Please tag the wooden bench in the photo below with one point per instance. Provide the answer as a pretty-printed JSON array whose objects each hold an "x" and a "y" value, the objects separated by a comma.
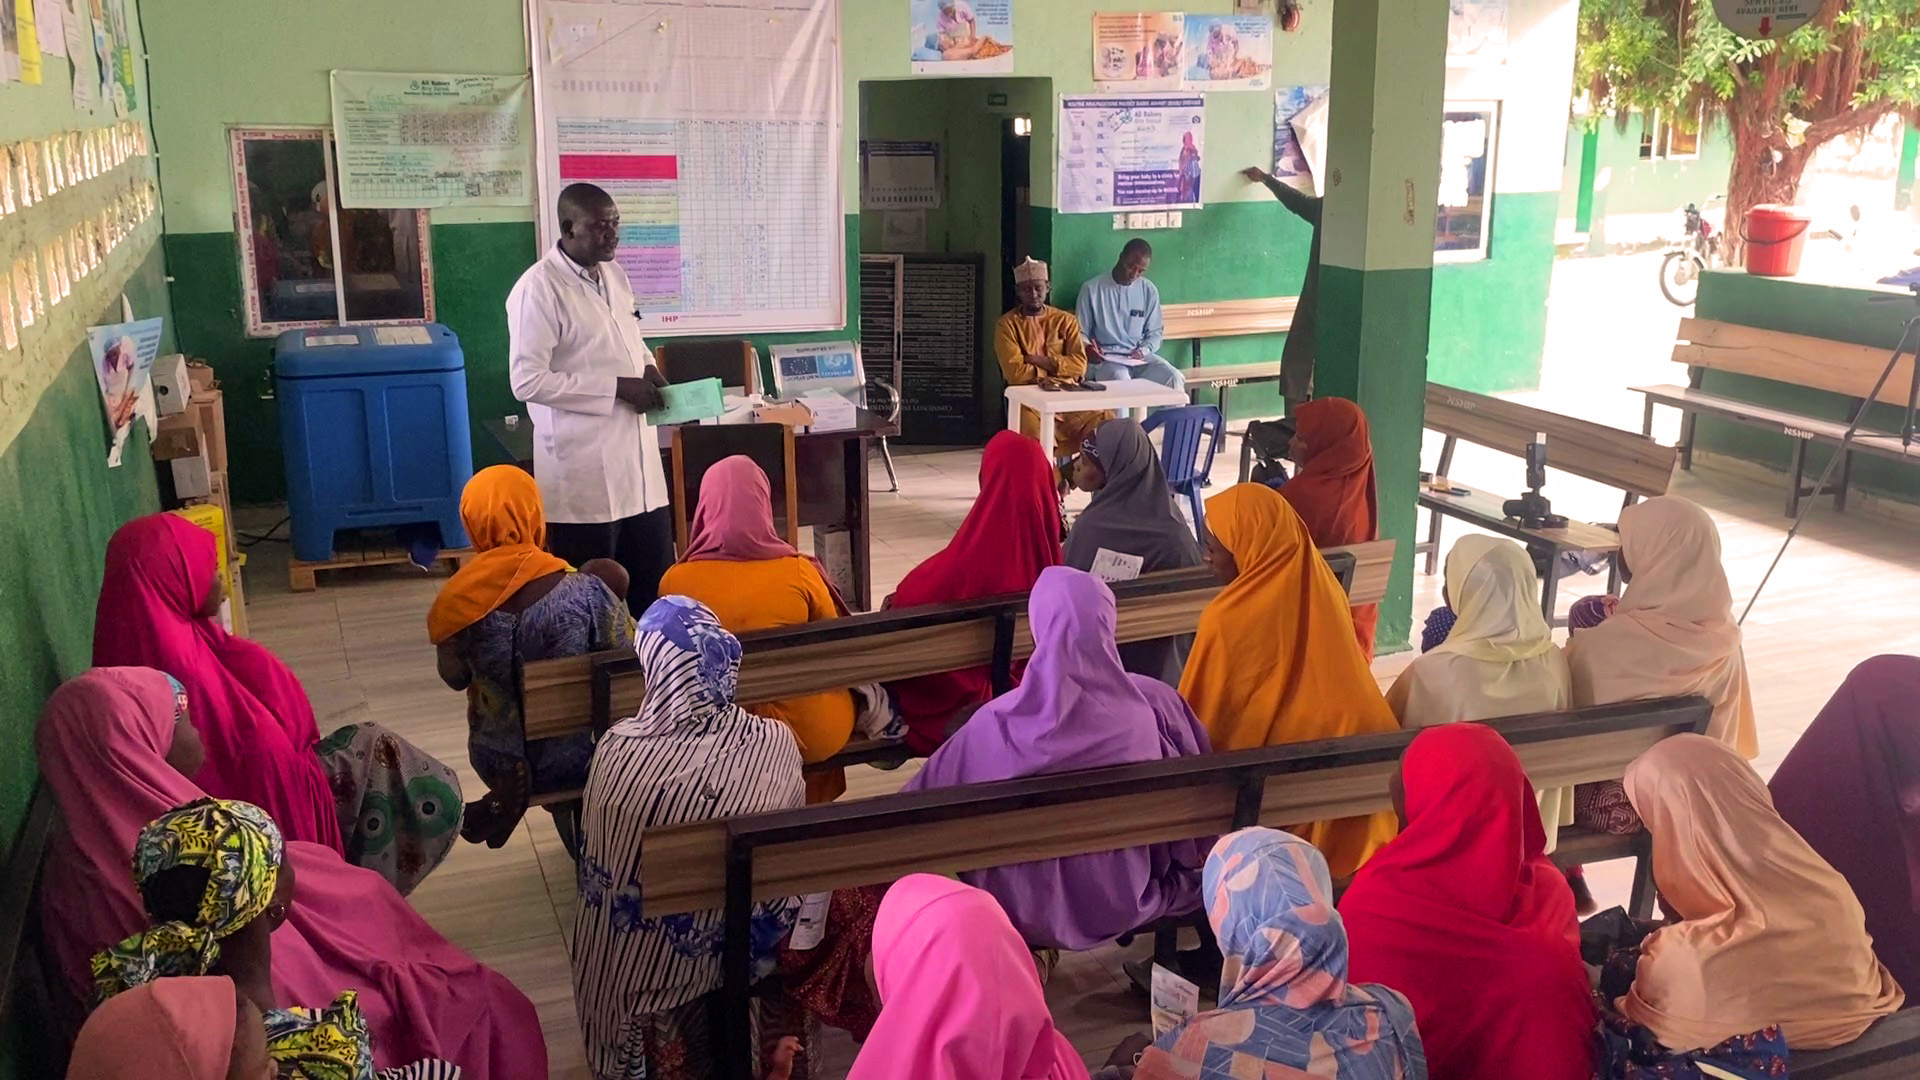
[
  {"x": 1796, "y": 360},
  {"x": 1885, "y": 1052},
  {"x": 37, "y": 1013},
  {"x": 1636, "y": 464},
  {"x": 1196, "y": 322},
  {"x": 729, "y": 863},
  {"x": 568, "y": 696}
]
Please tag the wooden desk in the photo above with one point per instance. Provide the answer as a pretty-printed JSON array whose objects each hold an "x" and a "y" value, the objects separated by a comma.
[
  {"x": 832, "y": 468},
  {"x": 1478, "y": 508}
]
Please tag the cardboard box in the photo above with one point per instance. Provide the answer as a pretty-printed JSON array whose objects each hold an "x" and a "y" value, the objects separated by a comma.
[
  {"x": 171, "y": 387},
  {"x": 202, "y": 377},
  {"x": 210, "y": 417},
  {"x": 191, "y": 478},
  {"x": 176, "y": 437},
  {"x": 792, "y": 413}
]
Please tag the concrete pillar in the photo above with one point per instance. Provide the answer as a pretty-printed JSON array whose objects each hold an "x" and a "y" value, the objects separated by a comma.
[{"x": 1376, "y": 255}]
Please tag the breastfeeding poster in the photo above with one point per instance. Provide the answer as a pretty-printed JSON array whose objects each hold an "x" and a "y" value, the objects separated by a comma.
[
  {"x": 961, "y": 37},
  {"x": 1122, "y": 152},
  {"x": 123, "y": 356},
  {"x": 1228, "y": 52},
  {"x": 1296, "y": 107},
  {"x": 1137, "y": 50}
]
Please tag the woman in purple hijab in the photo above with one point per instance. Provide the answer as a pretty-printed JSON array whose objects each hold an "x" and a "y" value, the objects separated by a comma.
[
  {"x": 1851, "y": 788},
  {"x": 1077, "y": 708}
]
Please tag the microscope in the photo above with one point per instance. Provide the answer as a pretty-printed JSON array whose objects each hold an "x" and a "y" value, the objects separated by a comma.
[{"x": 1532, "y": 510}]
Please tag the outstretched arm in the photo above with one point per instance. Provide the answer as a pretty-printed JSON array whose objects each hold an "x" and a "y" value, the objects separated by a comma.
[{"x": 1304, "y": 206}]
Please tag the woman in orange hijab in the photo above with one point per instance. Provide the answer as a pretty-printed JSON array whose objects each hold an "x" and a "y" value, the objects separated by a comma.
[
  {"x": 1274, "y": 660},
  {"x": 1333, "y": 490},
  {"x": 510, "y": 605}
]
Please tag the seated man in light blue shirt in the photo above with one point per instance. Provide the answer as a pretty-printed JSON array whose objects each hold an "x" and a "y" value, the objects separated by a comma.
[{"x": 1120, "y": 315}]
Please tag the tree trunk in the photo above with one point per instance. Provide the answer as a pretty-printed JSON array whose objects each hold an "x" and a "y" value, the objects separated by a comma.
[{"x": 1757, "y": 179}]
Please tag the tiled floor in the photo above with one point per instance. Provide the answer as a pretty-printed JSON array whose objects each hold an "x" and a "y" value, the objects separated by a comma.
[{"x": 1842, "y": 594}]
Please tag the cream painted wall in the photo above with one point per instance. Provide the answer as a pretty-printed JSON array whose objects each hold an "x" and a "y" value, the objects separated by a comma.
[{"x": 1534, "y": 88}]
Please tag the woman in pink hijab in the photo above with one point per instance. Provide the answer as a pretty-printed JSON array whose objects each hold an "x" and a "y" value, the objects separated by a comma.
[
  {"x": 174, "y": 1029},
  {"x": 105, "y": 743},
  {"x": 959, "y": 996},
  {"x": 156, "y": 605}
]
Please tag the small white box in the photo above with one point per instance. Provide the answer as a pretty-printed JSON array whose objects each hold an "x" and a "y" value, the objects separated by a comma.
[
  {"x": 1119, "y": 222},
  {"x": 171, "y": 387},
  {"x": 1173, "y": 219},
  {"x": 191, "y": 478}
]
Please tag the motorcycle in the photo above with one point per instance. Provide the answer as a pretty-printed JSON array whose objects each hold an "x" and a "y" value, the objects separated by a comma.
[{"x": 1680, "y": 271}]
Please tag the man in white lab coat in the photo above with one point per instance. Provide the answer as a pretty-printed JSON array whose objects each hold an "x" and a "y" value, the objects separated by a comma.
[{"x": 577, "y": 360}]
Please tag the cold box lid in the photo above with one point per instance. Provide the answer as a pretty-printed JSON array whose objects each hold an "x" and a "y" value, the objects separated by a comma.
[{"x": 337, "y": 351}]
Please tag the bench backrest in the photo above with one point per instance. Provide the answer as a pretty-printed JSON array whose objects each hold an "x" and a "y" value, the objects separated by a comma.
[
  {"x": 869, "y": 841},
  {"x": 1791, "y": 358},
  {"x": 1885, "y": 1052},
  {"x": 1229, "y": 318},
  {"x": 560, "y": 697},
  {"x": 1626, "y": 460}
]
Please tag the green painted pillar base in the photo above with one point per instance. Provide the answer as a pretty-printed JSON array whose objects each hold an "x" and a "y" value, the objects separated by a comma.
[{"x": 1376, "y": 355}]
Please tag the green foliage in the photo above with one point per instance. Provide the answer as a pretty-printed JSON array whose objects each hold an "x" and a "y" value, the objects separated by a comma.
[{"x": 1674, "y": 54}]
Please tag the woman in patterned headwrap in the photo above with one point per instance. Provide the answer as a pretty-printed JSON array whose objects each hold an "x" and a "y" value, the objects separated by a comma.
[
  {"x": 1285, "y": 1000},
  {"x": 214, "y": 878}
]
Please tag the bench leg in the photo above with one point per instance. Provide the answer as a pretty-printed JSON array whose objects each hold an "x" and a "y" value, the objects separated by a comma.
[
  {"x": 1641, "y": 900},
  {"x": 1646, "y": 420},
  {"x": 1550, "y": 587},
  {"x": 1246, "y": 458},
  {"x": 1846, "y": 478},
  {"x": 1796, "y": 475},
  {"x": 736, "y": 965},
  {"x": 1433, "y": 523}
]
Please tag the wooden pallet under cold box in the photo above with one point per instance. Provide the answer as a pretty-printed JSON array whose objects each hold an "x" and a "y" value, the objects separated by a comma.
[{"x": 370, "y": 550}]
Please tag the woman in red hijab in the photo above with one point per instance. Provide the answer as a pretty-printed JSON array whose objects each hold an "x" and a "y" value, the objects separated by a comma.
[
  {"x": 156, "y": 606},
  {"x": 1333, "y": 489},
  {"x": 1464, "y": 914},
  {"x": 1011, "y": 534}
]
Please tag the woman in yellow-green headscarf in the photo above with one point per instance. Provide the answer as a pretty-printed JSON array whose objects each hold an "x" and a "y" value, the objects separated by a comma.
[
  {"x": 214, "y": 878},
  {"x": 1275, "y": 660}
]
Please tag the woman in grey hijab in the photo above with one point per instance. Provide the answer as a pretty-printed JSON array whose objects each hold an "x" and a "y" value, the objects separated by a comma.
[{"x": 1132, "y": 516}]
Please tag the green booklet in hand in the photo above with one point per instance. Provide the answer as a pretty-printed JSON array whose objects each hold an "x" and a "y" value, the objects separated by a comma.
[{"x": 687, "y": 402}]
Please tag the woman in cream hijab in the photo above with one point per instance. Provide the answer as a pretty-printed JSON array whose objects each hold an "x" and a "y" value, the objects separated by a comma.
[
  {"x": 1673, "y": 633},
  {"x": 1499, "y": 659},
  {"x": 1763, "y": 932}
]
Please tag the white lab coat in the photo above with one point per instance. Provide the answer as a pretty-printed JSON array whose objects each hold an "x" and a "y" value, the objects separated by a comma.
[{"x": 596, "y": 459}]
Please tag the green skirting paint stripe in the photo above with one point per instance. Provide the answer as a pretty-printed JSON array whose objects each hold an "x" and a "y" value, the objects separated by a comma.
[
  {"x": 1372, "y": 349},
  {"x": 1589, "y": 168}
]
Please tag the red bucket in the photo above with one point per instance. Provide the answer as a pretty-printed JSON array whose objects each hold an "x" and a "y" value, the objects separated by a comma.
[{"x": 1774, "y": 235}]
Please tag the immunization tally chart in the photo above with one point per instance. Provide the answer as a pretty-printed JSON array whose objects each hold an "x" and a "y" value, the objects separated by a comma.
[{"x": 717, "y": 131}]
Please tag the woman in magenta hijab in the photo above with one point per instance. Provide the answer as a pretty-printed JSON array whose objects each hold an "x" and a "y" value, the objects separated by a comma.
[
  {"x": 156, "y": 601},
  {"x": 1078, "y": 708},
  {"x": 108, "y": 743},
  {"x": 959, "y": 996},
  {"x": 1848, "y": 788}
]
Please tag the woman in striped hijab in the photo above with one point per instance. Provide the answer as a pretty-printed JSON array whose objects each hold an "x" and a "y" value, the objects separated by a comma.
[{"x": 643, "y": 985}]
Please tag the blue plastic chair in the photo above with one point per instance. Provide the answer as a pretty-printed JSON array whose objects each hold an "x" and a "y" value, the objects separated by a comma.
[{"x": 1181, "y": 452}]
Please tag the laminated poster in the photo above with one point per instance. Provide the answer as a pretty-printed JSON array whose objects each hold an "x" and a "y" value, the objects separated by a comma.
[
  {"x": 1122, "y": 152},
  {"x": 960, "y": 37}
]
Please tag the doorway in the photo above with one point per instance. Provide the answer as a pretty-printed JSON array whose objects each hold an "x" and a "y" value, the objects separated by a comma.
[{"x": 981, "y": 132}]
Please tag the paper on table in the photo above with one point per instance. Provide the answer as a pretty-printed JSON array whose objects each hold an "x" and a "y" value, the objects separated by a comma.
[
  {"x": 1123, "y": 359},
  {"x": 1109, "y": 565},
  {"x": 697, "y": 400},
  {"x": 1174, "y": 1001}
]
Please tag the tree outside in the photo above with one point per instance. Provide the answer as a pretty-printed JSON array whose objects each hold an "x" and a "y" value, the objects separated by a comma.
[{"x": 1851, "y": 65}]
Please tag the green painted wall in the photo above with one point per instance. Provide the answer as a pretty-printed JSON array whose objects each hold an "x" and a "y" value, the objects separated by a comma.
[
  {"x": 58, "y": 500},
  {"x": 1490, "y": 317},
  {"x": 1821, "y": 311}
]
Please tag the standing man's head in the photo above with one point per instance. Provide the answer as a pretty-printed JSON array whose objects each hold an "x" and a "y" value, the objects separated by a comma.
[
  {"x": 589, "y": 224},
  {"x": 1134, "y": 260},
  {"x": 1030, "y": 286}
]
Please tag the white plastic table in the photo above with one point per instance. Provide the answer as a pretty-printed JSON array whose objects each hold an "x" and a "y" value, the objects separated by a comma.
[{"x": 1135, "y": 396}]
